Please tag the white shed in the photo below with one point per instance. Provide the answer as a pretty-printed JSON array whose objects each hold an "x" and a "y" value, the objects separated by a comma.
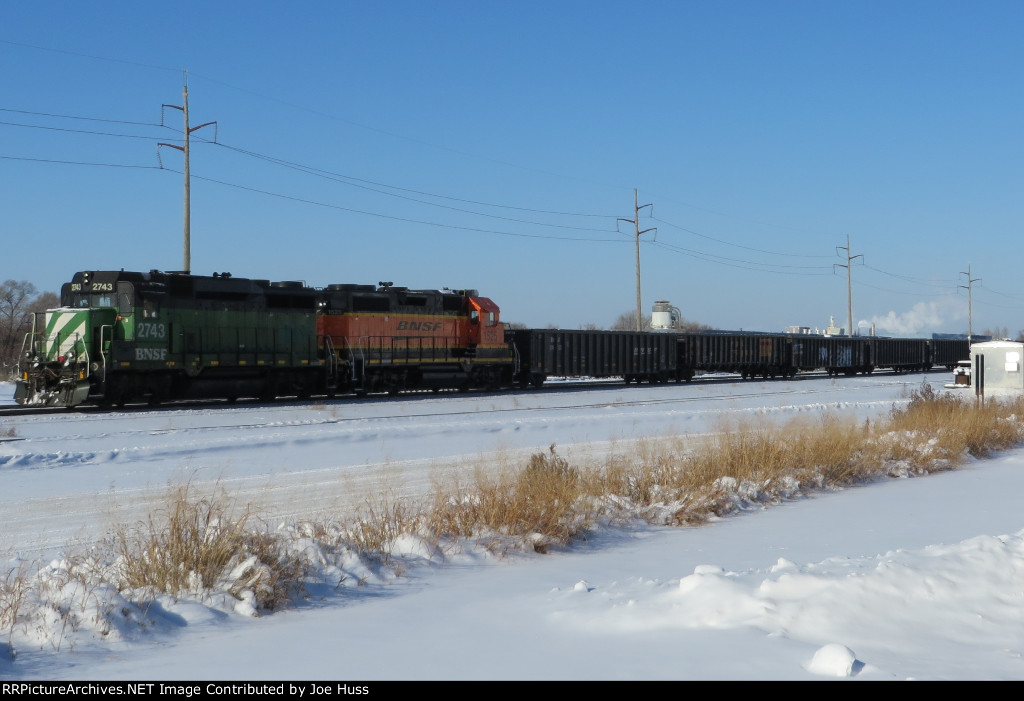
[{"x": 997, "y": 368}]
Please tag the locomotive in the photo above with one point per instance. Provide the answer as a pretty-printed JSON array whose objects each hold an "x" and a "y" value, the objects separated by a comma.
[{"x": 127, "y": 336}]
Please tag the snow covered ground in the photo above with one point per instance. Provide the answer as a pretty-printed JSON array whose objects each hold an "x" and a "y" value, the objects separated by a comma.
[{"x": 905, "y": 579}]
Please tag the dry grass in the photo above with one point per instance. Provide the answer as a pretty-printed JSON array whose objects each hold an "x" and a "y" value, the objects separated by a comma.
[
  {"x": 198, "y": 541},
  {"x": 374, "y": 528},
  {"x": 686, "y": 481},
  {"x": 14, "y": 586},
  {"x": 958, "y": 426},
  {"x": 542, "y": 504}
]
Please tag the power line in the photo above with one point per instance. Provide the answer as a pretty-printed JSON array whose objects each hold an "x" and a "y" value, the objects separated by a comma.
[
  {"x": 743, "y": 264},
  {"x": 736, "y": 245},
  {"x": 325, "y": 173},
  {"x": 352, "y": 181},
  {"x": 71, "y": 116},
  {"x": 918, "y": 281},
  {"x": 396, "y": 218},
  {"x": 373, "y": 186},
  {"x": 320, "y": 204},
  {"x": 347, "y": 180},
  {"x": 81, "y": 131},
  {"x": 79, "y": 163},
  {"x": 92, "y": 56},
  {"x": 859, "y": 283}
]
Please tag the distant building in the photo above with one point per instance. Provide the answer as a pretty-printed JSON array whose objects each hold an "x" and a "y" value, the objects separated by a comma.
[{"x": 977, "y": 338}]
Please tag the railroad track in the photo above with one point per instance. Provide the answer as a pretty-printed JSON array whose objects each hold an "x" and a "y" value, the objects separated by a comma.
[
  {"x": 433, "y": 410},
  {"x": 72, "y": 476},
  {"x": 566, "y": 386}
]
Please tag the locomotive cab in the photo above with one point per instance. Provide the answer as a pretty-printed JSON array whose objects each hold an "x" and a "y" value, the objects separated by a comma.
[
  {"x": 484, "y": 329},
  {"x": 67, "y": 355}
]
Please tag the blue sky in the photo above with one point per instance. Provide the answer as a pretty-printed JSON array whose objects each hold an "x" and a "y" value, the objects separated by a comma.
[{"x": 494, "y": 145}]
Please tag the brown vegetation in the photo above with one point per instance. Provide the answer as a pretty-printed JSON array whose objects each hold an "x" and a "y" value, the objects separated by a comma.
[
  {"x": 199, "y": 542},
  {"x": 196, "y": 541}
]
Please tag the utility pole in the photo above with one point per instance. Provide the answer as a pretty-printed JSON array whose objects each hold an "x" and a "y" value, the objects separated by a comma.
[
  {"x": 970, "y": 301},
  {"x": 635, "y": 221},
  {"x": 849, "y": 282},
  {"x": 187, "y": 269}
]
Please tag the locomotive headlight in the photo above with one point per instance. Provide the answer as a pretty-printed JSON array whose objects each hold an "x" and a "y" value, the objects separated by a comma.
[{"x": 95, "y": 367}]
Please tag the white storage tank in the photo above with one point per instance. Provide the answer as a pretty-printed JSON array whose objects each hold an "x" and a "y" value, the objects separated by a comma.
[
  {"x": 664, "y": 316},
  {"x": 996, "y": 368}
]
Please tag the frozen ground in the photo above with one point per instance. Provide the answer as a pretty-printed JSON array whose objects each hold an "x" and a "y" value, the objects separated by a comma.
[{"x": 916, "y": 578}]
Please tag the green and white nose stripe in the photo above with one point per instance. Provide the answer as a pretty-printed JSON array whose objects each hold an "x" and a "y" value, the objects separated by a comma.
[{"x": 66, "y": 332}]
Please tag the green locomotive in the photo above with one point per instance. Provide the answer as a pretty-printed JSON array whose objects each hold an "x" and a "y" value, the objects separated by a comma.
[{"x": 125, "y": 336}]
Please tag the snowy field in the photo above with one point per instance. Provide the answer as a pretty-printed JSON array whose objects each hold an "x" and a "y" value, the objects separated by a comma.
[{"x": 917, "y": 578}]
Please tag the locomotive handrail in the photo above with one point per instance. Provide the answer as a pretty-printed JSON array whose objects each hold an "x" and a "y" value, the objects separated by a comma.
[
  {"x": 25, "y": 342},
  {"x": 103, "y": 355},
  {"x": 359, "y": 364},
  {"x": 31, "y": 334},
  {"x": 332, "y": 360},
  {"x": 85, "y": 348}
]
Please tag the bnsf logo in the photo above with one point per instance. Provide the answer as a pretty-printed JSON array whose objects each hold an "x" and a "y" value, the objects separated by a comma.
[
  {"x": 419, "y": 325},
  {"x": 151, "y": 354}
]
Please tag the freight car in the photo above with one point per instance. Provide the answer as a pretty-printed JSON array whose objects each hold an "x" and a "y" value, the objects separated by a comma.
[
  {"x": 747, "y": 354},
  {"x": 634, "y": 356},
  {"x": 677, "y": 356},
  {"x": 948, "y": 352}
]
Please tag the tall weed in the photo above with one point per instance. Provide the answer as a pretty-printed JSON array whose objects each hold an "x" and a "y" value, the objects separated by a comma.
[{"x": 198, "y": 541}]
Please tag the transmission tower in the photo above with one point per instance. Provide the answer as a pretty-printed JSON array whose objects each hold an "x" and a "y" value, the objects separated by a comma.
[
  {"x": 970, "y": 301},
  {"x": 187, "y": 268},
  {"x": 849, "y": 282},
  {"x": 635, "y": 221}
]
